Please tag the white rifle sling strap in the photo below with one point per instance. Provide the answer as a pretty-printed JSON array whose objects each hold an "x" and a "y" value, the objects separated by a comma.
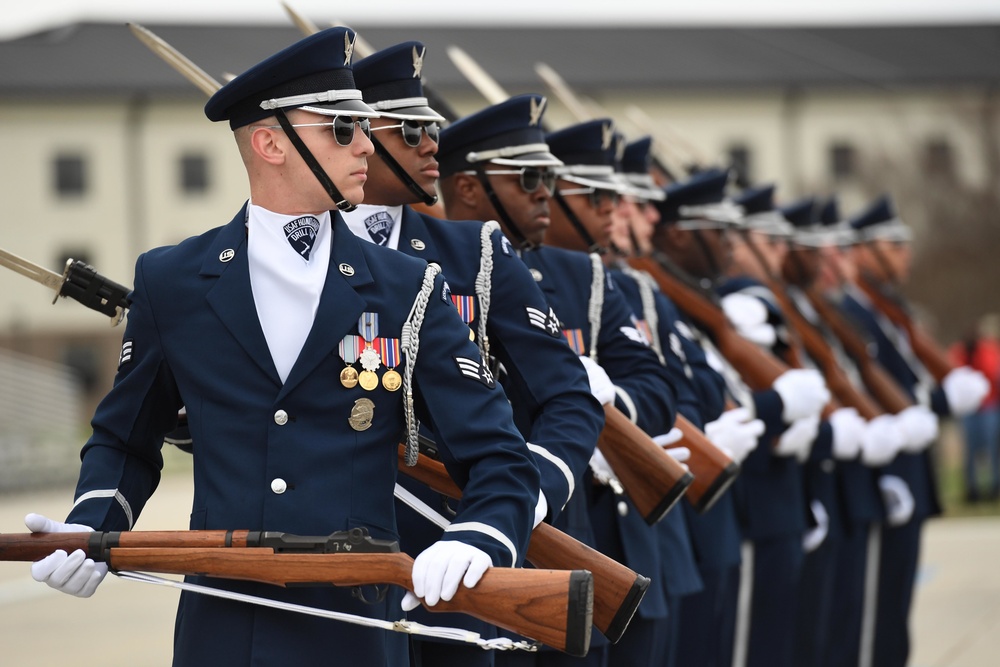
[
  {"x": 596, "y": 304},
  {"x": 410, "y": 344},
  {"x": 484, "y": 283},
  {"x": 408, "y": 627}
]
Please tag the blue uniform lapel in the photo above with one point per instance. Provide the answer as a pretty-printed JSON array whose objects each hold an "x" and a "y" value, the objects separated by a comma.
[
  {"x": 232, "y": 297},
  {"x": 340, "y": 305},
  {"x": 413, "y": 230}
]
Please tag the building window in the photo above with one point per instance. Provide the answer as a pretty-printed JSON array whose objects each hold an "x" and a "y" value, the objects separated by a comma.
[
  {"x": 69, "y": 175},
  {"x": 843, "y": 161},
  {"x": 740, "y": 161},
  {"x": 939, "y": 158},
  {"x": 193, "y": 173}
]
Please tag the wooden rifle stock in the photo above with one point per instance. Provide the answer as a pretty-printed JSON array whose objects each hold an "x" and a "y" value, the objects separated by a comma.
[
  {"x": 928, "y": 351},
  {"x": 758, "y": 368},
  {"x": 819, "y": 349},
  {"x": 618, "y": 590},
  {"x": 713, "y": 469},
  {"x": 882, "y": 386},
  {"x": 652, "y": 480},
  {"x": 550, "y": 606}
]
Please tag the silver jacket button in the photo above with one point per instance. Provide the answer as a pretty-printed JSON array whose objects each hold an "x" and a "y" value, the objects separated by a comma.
[
  {"x": 278, "y": 485},
  {"x": 280, "y": 417}
]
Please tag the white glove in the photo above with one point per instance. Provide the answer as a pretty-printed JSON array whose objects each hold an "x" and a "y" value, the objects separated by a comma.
[
  {"x": 601, "y": 468},
  {"x": 601, "y": 385},
  {"x": 674, "y": 435},
  {"x": 74, "y": 573},
  {"x": 919, "y": 426},
  {"x": 897, "y": 498},
  {"x": 541, "y": 509},
  {"x": 803, "y": 393},
  {"x": 965, "y": 388},
  {"x": 749, "y": 316},
  {"x": 735, "y": 432},
  {"x": 815, "y": 535},
  {"x": 798, "y": 438},
  {"x": 440, "y": 568},
  {"x": 881, "y": 441},
  {"x": 848, "y": 431}
]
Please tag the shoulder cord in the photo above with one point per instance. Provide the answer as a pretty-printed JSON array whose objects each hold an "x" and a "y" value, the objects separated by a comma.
[
  {"x": 644, "y": 281},
  {"x": 410, "y": 344},
  {"x": 484, "y": 283},
  {"x": 408, "y": 627},
  {"x": 596, "y": 304}
]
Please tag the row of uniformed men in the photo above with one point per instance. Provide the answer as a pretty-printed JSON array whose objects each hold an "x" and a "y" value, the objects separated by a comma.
[{"x": 824, "y": 496}]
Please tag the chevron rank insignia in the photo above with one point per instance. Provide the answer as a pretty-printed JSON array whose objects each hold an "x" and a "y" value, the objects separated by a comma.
[
  {"x": 477, "y": 370},
  {"x": 547, "y": 322}
]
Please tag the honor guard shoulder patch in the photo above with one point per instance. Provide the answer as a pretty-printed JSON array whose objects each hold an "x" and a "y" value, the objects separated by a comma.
[
  {"x": 634, "y": 334},
  {"x": 547, "y": 322},
  {"x": 301, "y": 234},
  {"x": 126, "y": 355},
  {"x": 475, "y": 369}
]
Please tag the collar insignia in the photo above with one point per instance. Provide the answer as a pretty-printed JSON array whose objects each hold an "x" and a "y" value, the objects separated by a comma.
[
  {"x": 348, "y": 48},
  {"x": 620, "y": 149},
  {"x": 537, "y": 108},
  {"x": 418, "y": 62}
]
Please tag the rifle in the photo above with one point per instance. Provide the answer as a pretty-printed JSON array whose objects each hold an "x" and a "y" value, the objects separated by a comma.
[
  {"x": 550, "y": 606},
  {"x": 883, "y": 387},
  {"x": 652, "y": 480},
  {"x": 618, "y": 590},
  {"x": 713, "y": 469},
  {"x": 758, "y": 368},
  {"x": 928, "y": 351}
]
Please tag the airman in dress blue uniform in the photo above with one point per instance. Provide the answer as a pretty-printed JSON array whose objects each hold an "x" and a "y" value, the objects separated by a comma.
[
  {"x": 908, "y": 484},
  {"x": 492, "y": 290},
  {"x": 294, "y": 347},
  {"x": 589, "y": 312}
]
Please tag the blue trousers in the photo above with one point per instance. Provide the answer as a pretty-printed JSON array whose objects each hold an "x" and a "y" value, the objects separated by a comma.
[
  {"x": 897, "y": 575},
  {"x": 777, "y": 571},
  {"x": 848, "y": 600},
  {"x": 982, "y": 439},
  {"x": 816, "y": 591},
  {"x": 708, "y": 620}
]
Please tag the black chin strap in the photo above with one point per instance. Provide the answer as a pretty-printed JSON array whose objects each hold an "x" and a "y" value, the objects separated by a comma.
[
  {"x": 520, "y": 239},
  {"x": 713, "y": 266},
  {"x": 314, "y": 166},
  {"x": 592, "y": 245},
  {"x": 402, "y": 175}
]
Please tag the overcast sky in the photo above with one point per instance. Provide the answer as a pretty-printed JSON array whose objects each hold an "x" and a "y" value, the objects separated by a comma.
[{"x": 23, "y": 16}]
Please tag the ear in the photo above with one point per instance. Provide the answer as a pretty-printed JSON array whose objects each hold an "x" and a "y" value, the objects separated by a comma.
[
  {"x": 468, "y": 190},
  {"x": 265, "y": 143}
]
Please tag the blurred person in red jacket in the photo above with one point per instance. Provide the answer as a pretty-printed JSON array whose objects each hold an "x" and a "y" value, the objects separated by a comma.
[{"x": 980, "y": 349}]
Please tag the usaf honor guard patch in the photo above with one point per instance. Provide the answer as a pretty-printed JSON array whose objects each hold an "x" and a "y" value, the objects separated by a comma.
[
  {"x": 547, "y": 322},
  {"x": 301, "y": 234},
  {"x": 475, "y": 369},
  {"x": 379, "y": 226}
]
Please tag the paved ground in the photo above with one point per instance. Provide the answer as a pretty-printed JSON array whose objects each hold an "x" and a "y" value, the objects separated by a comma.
[{"x": 956, "y": 622}]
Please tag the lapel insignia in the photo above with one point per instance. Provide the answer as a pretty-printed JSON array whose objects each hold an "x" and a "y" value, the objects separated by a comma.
[
  {"x": 227, "y": 255},
  {"x": 547, "y": 322},
  {"x": 537, "y": 107},
  {"x": 348, "y": 47},
  {"x": 536, "y": 274},
  {"x": 417, "y": 244},
  {"x": 418, "y": 62},
  {"x": 346, "y": 269},
  {"x": 477, "y": 370},
  {"x": 607, "y": 136}
]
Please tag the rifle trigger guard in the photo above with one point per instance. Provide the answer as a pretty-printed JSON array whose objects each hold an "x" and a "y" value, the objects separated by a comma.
[{"x": 381, "y": 590}]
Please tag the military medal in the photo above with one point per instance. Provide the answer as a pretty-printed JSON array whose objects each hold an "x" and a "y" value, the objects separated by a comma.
[
  {"x": 361, "y": 414},
  {"x": 466, "y": 306},
  {"x": 348, "y": 348},
  {"x": 389, "y": 350},
  {"x": 369, "y": 358}
]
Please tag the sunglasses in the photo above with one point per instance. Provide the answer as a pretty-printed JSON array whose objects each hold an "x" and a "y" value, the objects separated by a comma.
[
  {"x": 342, "y": 128},
  {"x": 411, "y": 130},
  {"x": 597, "y": 196},
  {"x": 531, "y": 178}
]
